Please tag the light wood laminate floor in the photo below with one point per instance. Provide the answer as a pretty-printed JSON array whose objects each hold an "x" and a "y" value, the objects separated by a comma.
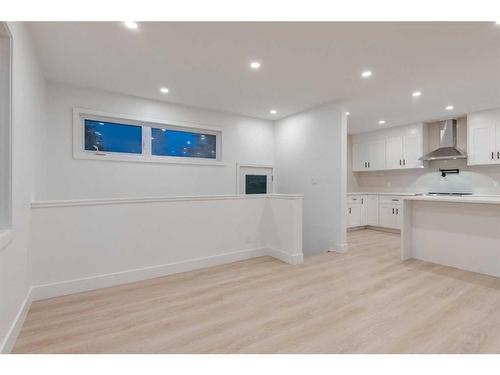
[{"x": 363, "y": 301}]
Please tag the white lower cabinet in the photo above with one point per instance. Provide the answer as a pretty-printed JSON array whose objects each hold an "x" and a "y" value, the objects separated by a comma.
[
  {"x": 354, "y": 216},
  {"x": 390, "y": 212},
  {"x": 389, "y": 216},
  {"x": 372, "y": 210},
  {"x": 356, "y": 210},
  {"x": 375, "y": 210}
]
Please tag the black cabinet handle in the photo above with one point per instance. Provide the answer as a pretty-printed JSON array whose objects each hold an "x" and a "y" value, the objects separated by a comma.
[
  {"x": 397, "y": 211},
  {"x": 365, "y": 164},
  {"x": 498, "y": 155},
  {"x": 492, "y": 155},
  {"x": 399, "y": 161},
  {"x": 404, "y": 161},
  {"x": 393, "y": 211},
  {"x": 349, "y": 209},
  {"x": 368, "y": 164},
  {"x": 361, "y": 200}
]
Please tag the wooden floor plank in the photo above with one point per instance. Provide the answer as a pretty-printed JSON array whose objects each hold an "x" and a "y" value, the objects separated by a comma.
[{"x": 362, "y": 301}]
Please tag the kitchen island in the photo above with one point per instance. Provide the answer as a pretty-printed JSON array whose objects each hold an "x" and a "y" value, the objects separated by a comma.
[{"x": 461, "y": 232}]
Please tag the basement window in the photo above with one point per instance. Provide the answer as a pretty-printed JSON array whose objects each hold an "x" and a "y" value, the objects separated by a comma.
[
  {"x": 112, "y": 137},
  {"x": 169, "y": 142},
  {"x": 107, "y": 136}
]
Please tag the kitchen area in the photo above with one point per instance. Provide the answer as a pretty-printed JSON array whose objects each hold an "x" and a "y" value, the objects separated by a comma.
[{"x": 436, "y": 183}]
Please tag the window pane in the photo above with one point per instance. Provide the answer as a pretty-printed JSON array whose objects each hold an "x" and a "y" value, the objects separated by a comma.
[
  {"x": 255, "y": 184},
  {"x": 166, "y": 142},
  {"x": 112, "y": 137}
]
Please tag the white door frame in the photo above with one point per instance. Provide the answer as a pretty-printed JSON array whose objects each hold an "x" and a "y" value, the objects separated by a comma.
[{"x": 239, "y": 166}]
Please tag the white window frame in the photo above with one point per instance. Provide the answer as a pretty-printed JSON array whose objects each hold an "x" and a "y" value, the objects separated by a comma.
[
  {"x": 256, "y": 166},
  {"x": 79, "y": 152}
]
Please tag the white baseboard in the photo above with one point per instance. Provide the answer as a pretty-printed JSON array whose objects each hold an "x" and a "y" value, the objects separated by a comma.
[
  {"x": 283, "y": 256},
  {"x": 45, "y": 291},
  {"x": 17, "y": 324},
  {"x": 129, "y": 276},
  {"x": 340, "y": 248}
]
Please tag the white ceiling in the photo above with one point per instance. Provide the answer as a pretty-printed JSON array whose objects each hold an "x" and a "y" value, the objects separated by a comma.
[{"x": 303, "y": 65}]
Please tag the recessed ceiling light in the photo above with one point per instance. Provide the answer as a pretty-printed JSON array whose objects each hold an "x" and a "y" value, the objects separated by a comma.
[
  {"x": 366, "y": 74},
  {"x": 255, "y": 65},
  {"x": 416, "y": 94},
  {"x": 164, "y": 90},
  {"x": 347, "y": 113},
  {"x": 381, "y": 122},
  {"x": 273, "y": 111},
  {"x": 131, "y": 24},
  {"x": 449, "y": 108}
]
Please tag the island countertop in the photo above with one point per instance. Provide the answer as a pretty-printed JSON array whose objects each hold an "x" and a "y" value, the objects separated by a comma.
[
  {"x": 480, "y": 199},
  {"x": 380, "y": 193}
]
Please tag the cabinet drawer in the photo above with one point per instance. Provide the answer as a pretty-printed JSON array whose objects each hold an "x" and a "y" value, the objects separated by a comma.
[
  {"x": 356, "y": 199},
  {"x": 391, "y": 199}
]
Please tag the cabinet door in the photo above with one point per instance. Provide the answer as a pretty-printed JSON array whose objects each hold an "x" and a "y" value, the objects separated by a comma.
[
  {"x": 394, "y": 152},
  {"x": 387, "y": 216},
  {"x": 364, "y": 213},
  {"x": 496, "y": 155},
  {"x": 482, "y": 144},
  {"x": 359, "y": 157},
  {"x": 372, "y": 210},
  {"x": 412, "y": 151},
  {"x": 354, "y": 215},
  {"x": 377, "y": 154},
  {"x": 398, "y": 215}
]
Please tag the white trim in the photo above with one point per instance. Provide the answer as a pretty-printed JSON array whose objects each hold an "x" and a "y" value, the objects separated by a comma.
[
  {"x": 15, "y": 328},
  {"x": 10, "y": 120},
  {"x": 45, "y": 291},
  {"x": 242, "y": 165},
  {"x": 5, "y": 238},
  {"x": 284, "y": 256},
  {"x": 79, "y": 114},
  {"x": 340, "y": 248},
  {"x": 111, "y": 201}
]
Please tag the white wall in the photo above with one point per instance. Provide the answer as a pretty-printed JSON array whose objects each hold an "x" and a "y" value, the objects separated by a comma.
[
  {"x": 86, "y": 245},
  {"x": 311, "y": 156},
  {"x": 4, "y": 128},
  {"x": 245, "y": 140},
  {"x": 27, "y": 127},
  {"x": 478, "y": 179}
]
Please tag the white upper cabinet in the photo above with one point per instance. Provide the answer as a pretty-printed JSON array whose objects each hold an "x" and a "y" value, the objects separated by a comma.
[
  {"x": 377, "y": 155},
  {"x": 393, "y": 148},
  {"x": 368, "y": 155},
  {"x": 360, "y": 156},
  {"x": 394, "y": 152},
  {"x": 483, "y": 138},
  {"x": 412, "y": 151}
]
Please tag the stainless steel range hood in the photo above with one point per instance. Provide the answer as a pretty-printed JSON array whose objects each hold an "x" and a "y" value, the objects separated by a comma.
[{"x": 447, "y": 143}]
